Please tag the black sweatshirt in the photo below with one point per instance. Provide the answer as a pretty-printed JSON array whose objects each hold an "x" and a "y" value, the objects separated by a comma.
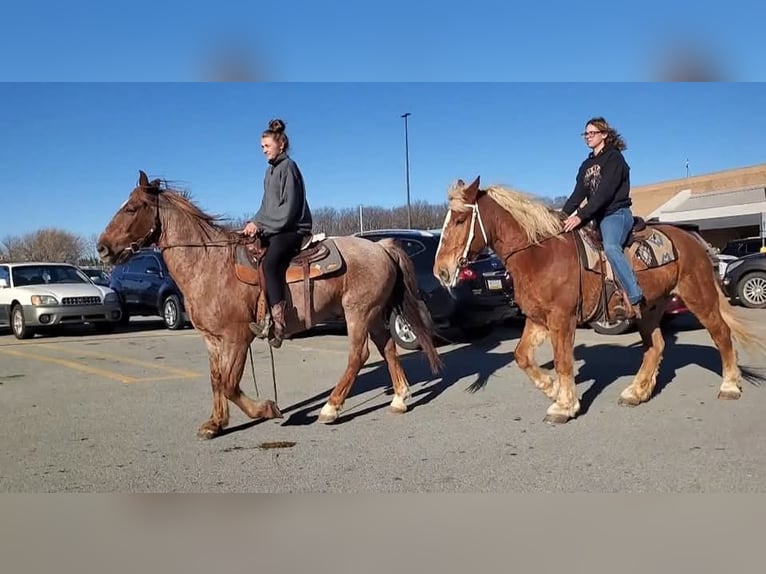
[
  {"x": 284, "y": 206},
  {"x": 604, "y": 180}
]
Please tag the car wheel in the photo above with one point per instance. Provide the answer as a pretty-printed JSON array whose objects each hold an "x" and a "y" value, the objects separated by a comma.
[
  {"x": 402, "y": 332},
  {"x": 612, "y": 327},
  {"x": 19, "y": 325},
  {"x": 171, "y": 312},
  {"x": 752, "y": 290}
]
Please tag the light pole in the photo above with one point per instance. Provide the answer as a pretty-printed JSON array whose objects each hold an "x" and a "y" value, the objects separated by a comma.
[{"x": 407, "y": 168}]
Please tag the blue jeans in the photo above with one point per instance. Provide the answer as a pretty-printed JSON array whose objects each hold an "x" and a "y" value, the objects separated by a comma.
[{"x": 615, "y": 229}]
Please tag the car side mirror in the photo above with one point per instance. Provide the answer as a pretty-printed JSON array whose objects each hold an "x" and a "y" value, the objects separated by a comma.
[{"x": 3, "y": 283}]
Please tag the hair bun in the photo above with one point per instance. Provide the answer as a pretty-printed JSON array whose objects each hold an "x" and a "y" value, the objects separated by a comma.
[{"x": 277, "y": 125}]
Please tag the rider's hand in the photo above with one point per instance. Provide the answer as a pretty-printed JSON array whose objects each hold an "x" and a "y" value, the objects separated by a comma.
[
  {"x": 250, "y": 229},
  {"x": 571, "y": 222}
]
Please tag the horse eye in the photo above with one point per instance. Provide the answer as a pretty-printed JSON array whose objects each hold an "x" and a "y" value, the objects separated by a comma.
[{"x": 129, "y": 209}]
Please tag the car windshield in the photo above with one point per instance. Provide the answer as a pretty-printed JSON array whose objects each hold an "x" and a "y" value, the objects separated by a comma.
[{"x": 46, "y": 274}]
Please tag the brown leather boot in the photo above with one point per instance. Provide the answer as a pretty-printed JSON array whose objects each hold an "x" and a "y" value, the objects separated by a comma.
[{"x": 278, "y": 317}]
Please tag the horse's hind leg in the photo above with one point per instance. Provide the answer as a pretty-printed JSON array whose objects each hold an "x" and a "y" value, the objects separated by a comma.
[
  {"x": 701, "y": 297},
  {"x": 227, "y": 361},
  {"x": 386, "y": 345},
  {"x": 358, "y": 353},
  {"x": 533, "y": 335},
  {"x": 642, "y": 386}
]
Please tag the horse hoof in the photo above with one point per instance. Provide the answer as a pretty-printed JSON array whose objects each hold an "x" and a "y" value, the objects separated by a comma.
[
  {"x": 327, "y": 419},
  {"x": 206, "y": 433},
  {"x": 556, "y": 419},
  {"x": 397, "y": 410},
  {"x": 729, "y": 395},
  {"x": 271, "y": 410},
  {"x": 628, "y": 401}
]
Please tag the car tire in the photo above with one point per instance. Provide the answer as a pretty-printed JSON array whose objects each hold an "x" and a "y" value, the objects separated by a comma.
[
  {"x": 402, "y": 333},
  {"x": 751, "y": 290},
  {"x": 19, "y": 324},
  {"x": 171, "y": 312},
  {"x": 612, "y": 328}
]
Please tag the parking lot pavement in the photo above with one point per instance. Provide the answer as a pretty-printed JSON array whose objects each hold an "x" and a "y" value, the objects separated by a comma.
[{"x": 119, "y": 413}]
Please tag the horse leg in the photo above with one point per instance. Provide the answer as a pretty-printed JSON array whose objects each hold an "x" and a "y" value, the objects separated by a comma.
[
  {"x": 533, "y": 335},
  {"x": 640, "y": 390},
  {"x": 386, "y": 345},
  {"x": 702, "y": 297},
  {"x": 567, "y": 403},
  {"x": 227, "y": 361},
  {"x": 358, "y": 353}
]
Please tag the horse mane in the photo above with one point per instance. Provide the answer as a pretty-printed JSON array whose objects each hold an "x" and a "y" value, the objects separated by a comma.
[
  {"x": 536, "y": 219},
  {"x": 181, "y": 202}
]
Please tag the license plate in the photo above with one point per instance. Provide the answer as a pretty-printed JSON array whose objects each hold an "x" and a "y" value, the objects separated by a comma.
[{"x": 494, "y": 284}]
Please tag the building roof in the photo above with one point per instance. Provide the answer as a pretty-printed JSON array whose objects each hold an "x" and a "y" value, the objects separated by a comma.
[{"x": 648, "y": 199}]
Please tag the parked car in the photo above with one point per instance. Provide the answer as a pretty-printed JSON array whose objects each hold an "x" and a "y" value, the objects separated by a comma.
[
  {"x": 40, "y": 296},
  {"x": 145, "y": 288},
  {"x": 97, "y": 275},
  {"x": 736, "y": 248},
  {"x": 674, "y": 307},
  {"x": 483, "y": 295},
  {"x": 745, "y": 280}
]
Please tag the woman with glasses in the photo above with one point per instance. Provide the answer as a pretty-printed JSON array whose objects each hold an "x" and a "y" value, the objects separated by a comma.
[{"x": 602, "y": 194}]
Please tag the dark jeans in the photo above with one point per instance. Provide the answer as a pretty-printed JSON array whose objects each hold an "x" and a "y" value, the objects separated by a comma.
[
  {"x": 615, "y": 228},
  {"x": 281, "y": 247}
]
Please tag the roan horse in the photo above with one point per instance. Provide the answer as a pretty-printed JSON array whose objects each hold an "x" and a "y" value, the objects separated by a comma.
[
  {"x": 374, "y": 279},
  {"x": 556, "y": 290}
]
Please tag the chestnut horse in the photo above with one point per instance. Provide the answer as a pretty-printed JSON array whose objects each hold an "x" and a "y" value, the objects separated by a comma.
[
  {"x": 374, "y": 279},
  {"x": 556, "y": 293}
]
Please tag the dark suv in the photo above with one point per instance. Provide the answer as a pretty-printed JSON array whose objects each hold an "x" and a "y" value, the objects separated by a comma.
[
  {"x": 745, "y": 280},
  {"x": 145, "y": 287},
  {"x": 483, "y": 295}
]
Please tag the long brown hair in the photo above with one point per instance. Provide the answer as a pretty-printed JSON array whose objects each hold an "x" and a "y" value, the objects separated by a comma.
[{"x": 613, "y": 138}]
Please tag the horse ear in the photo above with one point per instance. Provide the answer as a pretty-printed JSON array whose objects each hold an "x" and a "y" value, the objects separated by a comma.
[
  {"x": 471, "y": 191},
  {"x": 143, "y": 181}
]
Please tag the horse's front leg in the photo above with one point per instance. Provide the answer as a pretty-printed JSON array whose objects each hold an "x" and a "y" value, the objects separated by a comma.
[
  {"x": 562, "y": 331},
  {"x": 533, "y": 336},
  {"x": 227, "y": 362}
]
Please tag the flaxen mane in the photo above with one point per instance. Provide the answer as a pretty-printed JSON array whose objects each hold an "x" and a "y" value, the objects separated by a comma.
[{"x": 536, "y": 219}]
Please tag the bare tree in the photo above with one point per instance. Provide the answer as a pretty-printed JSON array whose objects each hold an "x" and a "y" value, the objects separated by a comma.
[{"x": 54, "y": 245}]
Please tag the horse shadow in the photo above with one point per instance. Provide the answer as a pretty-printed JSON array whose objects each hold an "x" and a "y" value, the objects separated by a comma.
[
  {"x": 624, "y": 361},
  {"x": 473, "y": 360}
]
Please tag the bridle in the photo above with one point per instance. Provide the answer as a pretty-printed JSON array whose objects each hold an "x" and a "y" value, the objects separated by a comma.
[
  {"x": 464, "y": 259},
  {"x": 476, "y": 217},
  {"x": 153, "y": 234}
]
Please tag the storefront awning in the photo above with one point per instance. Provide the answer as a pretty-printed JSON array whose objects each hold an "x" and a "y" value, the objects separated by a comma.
[{"x": 719, "y": 210}]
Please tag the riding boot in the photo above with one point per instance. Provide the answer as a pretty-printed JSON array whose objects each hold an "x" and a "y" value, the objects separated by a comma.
[{"x": 278, "y": 316}]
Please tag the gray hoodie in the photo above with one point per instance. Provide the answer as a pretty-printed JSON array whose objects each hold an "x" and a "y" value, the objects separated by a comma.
[{"x": 284, "y": 206}]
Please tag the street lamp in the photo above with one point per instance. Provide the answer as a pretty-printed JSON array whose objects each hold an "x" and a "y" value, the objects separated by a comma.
[{"x": 407, "y": 168}]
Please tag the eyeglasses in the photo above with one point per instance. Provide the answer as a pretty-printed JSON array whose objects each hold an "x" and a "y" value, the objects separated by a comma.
[{"x": 589, "y": 134}]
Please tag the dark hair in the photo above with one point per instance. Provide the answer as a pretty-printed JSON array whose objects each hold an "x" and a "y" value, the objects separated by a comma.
[
  {"x": 613, "y": 138},
  {"x": 276, "y": 130}
]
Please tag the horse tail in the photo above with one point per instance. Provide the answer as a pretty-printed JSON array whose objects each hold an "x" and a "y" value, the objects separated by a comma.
[
  {"x": 406, "y": 301},
  {"x": 743, "y": 334}
]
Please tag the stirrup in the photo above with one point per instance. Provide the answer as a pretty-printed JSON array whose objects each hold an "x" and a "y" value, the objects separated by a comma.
[{"x": 261, "y": 329}]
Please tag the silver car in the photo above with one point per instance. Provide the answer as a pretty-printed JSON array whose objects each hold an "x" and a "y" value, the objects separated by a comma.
[{"x": 38, "y": 296}]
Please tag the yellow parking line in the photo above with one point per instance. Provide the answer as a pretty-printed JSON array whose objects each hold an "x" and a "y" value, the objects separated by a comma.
[
  {"x": 165, "y": 378},
  {"x": 127, "y": 360},
  {"x": 72, "y": 365}
]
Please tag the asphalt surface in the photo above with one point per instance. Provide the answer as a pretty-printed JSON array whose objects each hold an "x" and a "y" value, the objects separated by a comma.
[{"x": 119, "y": 413}]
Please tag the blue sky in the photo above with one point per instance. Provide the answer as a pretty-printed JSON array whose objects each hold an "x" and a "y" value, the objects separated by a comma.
[
  {"x": 72, "y": 152},
  {"x": 383, "y": 40}
]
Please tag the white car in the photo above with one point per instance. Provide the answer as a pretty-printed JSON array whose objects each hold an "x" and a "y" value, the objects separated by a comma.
[{"x": 37, "y": 296}]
